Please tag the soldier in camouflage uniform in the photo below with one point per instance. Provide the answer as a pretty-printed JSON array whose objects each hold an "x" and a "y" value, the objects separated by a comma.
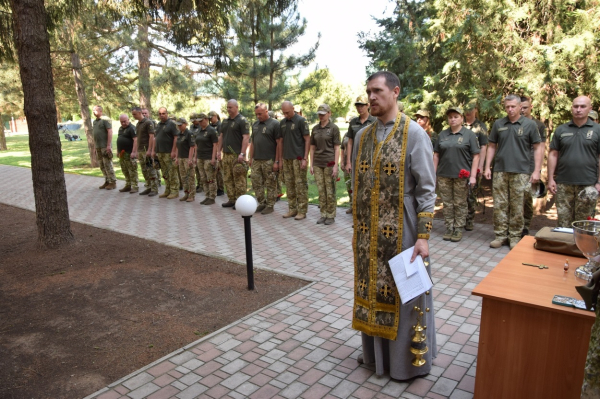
[
  {"x": 233, "y": 143},
  {"x": 195, "y": 128},
  {"x": 510, "y": 141},
  {"x": 215, "y": 122},
  {"x": 145, "y": 140},
  {"x": 324, "y": 157},
  {"x": 207, "y": 142},
  {"x": 573, "y": 165},
  {"x": 528, "y": 204},
  {"x": 102, "y": 130},
  {"x": 265, "y": 148},
  {"x": 363, "y": 119},
  {"x": 481, "y": 132},
  {"x": 456, "y": 150},
  {"x": 186, "y": 155},
  {"x": 156, "y": 166},
  {"x": 166, "y": 151},
  {"x": 126, "y": 139},
  {"x": 294, "y": 152}
]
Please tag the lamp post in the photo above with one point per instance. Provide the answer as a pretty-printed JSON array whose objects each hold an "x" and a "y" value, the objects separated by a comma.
[{"x": 246, "y": 205}]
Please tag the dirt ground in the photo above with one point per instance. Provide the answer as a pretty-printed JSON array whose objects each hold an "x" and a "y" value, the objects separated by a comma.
[
  {"x": 544, "y": 213},
  {"x": 75, "y": 319}
]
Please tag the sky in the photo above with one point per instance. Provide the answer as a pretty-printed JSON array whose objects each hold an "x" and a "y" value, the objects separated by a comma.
[{"x": 339, "y": 22}]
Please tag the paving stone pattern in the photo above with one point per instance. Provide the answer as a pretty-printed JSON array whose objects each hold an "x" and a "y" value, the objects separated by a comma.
[{"x": 302, "y": 346}]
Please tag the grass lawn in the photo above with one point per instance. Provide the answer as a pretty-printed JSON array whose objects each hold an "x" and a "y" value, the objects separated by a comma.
[{"x": 76, "y": 160}]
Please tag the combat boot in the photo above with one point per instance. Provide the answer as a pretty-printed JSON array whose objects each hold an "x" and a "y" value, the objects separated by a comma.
[
  {"x": 447, "y": 235},
  {"x": 267, "y": 210},
  {"x": 469, "y": 226},
  {"x": 146, "y": 192},
  {"x": 208, "y": 201},
  {"x": 260, "y": 208},
  {"x": 125, "y": 189},
  {"x": 329, "y": 221},
  {"x": 190, "y": 199},
  {"x": 185, "y": 197},
  {"x": 165, "y": 194},
  {"x": 228, "y": 204},
  {"x": 133, "y": 191},
  {"x": 300, "y": 216},
  {"x": 111, "y": 186},
  {"x": 498, "y": 242},
  {"x": 173, "y": 195},
  {"x": 102, "y": 187},
  {"x": 290, "y": 214},
  {"x": 456, "y": 236}
]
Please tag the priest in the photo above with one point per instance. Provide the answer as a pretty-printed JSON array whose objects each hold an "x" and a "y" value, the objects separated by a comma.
[{"x": 394, "y": 197}]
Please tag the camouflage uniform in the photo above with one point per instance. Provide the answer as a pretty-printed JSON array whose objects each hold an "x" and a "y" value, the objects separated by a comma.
[
  {"x": 347, "y": 176},
  {"x": 169, "y": 171},
  {"x": 326, "y": 186},
  {"x": 235, "y": 174},
  {"x": 100, "y": 132},
  {"x": 148, "y": 171},
  {"x": 106, "y": 165},
  {"x": 574, "y": 202},
  {"x": 263, "y": 178},
  {"x": 207, "y": 177},
  {"x": 481, "y": 133},
  {"x": 188, "y": 178},
  {"x": 453, "y": 193},
  {"x": 129, "y": 169},
  {"x": 508, "y": 191},
  {"x": 591, "y": 373},
  {"x": 235, "y": 182},
  {"x": 296, "y": 185},
  {"x": 528, "y": 205}
]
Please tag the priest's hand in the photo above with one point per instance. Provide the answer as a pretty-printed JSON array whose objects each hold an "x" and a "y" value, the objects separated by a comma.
[{"x": 421, "y": 248}]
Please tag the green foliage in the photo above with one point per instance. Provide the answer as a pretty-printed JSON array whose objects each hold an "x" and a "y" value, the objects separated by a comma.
[
  {"x": 11, "y": 95},
  {"x": 322, "y": 88},
  {"x": 450, "y": 53}
]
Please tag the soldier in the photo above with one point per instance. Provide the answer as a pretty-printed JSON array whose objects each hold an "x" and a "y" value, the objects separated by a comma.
[
  {"x": 165, "y": 149},
  {"x": 233, "y": 143},
  {"x": 481, "y": 133},
  {"x": 363, "y": 119},
  {"x": 147, "y": 115},
  {"x": 456, "y": 149},
  {"x": 574, "y": 152},
  {"x": 145, "y": 141},
  {"x": 102, "y": 130},
  {"x": 424, "y": 120},
  {"x": 207, "y": 144},
  {"x": 264, "y": 158},
  {"x": 294, "y": 152},
  {"x": 126, "y": 140},
  {"x": 324, "y": 155},
  {"x": 215, "y": 122},
  {"x": 195, "y": 128},
  {"x": 593, "y": 115},
  {"x": 511, "y": 140},
  {"x": 185, "y": 158},
  {"x": 528, "y": 199}
]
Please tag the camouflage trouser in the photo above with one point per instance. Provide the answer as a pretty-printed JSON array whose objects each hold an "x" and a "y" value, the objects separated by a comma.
[
  {"x": 472, "y": 202},
  {"x": 453, "y": 193},
  {"x": 326, "y": 186},
  {"x": 130, "y": 170},
  {"x": 280, "y": 180},
  {"x": 574, "y": 203},
  {"x": 263, "y": 177},
  {"x": 188, "y": 178},
  {"x": 508, "y": 191},
  {"x": 348, "y": 181},
  {"x": 591, "y": 373},
  {"x": 235, "y": 174},
  {"x": 148, "y": 171},
  {"x": 169, "y": 171},
  {"x": 527, "y": 207},
  {"x": 207, "y": 177},
  {"x": 106, "y": 165},
  {"x": 296, "y": 185},
  {"x": 219, "y": 173}
]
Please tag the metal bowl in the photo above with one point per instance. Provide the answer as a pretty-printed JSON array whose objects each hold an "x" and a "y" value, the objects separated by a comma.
[{"x": 587, "y": 239}]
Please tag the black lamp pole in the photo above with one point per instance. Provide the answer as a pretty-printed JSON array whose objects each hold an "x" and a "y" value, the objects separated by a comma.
[{"x": 249, "y": 265}]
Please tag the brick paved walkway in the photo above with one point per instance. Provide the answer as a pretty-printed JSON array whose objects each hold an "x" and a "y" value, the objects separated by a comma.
[{"x": 303, "y": 345}]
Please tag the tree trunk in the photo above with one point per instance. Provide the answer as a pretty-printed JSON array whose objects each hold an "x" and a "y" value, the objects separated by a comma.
[
  {"x": 83, "y": 105},
  {"x": 49, "y": 189},
  {"x": 144, "y": 66},
  {"x": 2, "y": 136},
  {"x": 271, "y": 66},
  {"x": 254, "y": 69}
]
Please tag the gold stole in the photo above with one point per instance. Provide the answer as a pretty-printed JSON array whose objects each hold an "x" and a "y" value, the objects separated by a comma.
[{"x": 378, "y": 211}]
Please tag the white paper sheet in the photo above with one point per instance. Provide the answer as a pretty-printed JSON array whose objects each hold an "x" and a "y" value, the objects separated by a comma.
[{"x": 411, "y": 279}]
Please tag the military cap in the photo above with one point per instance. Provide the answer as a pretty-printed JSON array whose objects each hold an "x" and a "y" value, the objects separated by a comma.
[
  {"x": 212, "y": 113},
  {"x": 323, "y": 109},
  {"x": 202, "y": 116},
  {"x": 361, "y": 100},
  {"x": 193, "y": 116},
  {"x": 454, "y": 109},
  {"x": 180, "y": 121},
  {"x": 423, "y": 112},
  {"x": 594, "y": 115},
  {"x": 471, "y": 105}
]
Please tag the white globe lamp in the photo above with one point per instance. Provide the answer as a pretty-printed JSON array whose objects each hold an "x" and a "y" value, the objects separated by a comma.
[{"x": 246, "y": 205}]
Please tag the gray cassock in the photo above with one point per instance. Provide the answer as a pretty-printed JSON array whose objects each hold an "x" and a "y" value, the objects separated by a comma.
[{"x": 419, "y": 196}]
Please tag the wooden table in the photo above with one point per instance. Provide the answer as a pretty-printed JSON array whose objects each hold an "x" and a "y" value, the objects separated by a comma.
[{"x": 528, "y": 347}]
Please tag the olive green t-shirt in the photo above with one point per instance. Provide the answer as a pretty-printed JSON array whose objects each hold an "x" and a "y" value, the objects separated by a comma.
[
  {"x": 185, "y": 141},
  {"x": 542, "y": 131},
  {"x": 233, "y": 131},
  {"x": 194, "y": 129},
  {"x": 165, "y": 134},
  {"x": 578, "y": 149},
  {"x": 355, "y": 125},
  {"x": 125, "y": 139},
  {"x": 455, "y": 151},
  {"x": 100, "y": 132},
  {"x": 480, "y": 130},
  {"x": 216, "y": 126},
  {"x": 144, "y": 129},
  {"x": 513, "y": 144},
  {"x": 325, "y": 139},
  {"x": 264, "y": 139},
  {"x": 204, "y": 142},
  {"x": 293, "y": 132}
]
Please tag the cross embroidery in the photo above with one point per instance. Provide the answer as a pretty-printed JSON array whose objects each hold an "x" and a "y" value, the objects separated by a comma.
[
  {"x": 389, "y": 168},
  {"x": 362, "y": 285},
  {"x": 429, "y": 226},
  {"x": 364, "y": 166},
  {"x": 363, "y": 228},
  {"x": 387, "y": 231},
  {"x": 385, "y": 290}
]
